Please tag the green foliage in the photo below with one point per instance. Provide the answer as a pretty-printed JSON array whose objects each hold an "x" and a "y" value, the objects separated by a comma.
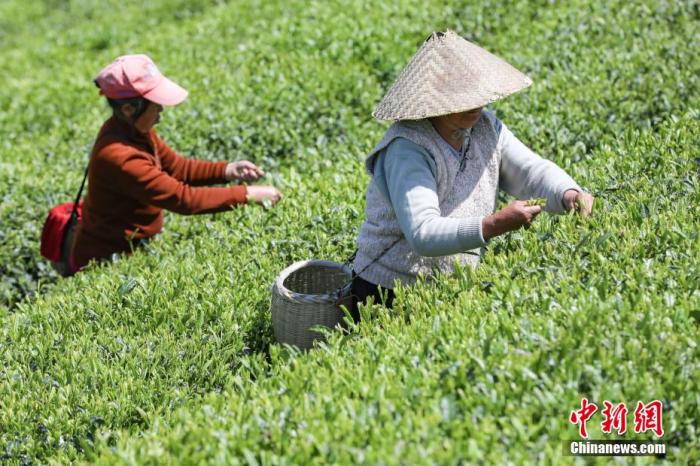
[{"x": 168, "y": 357}]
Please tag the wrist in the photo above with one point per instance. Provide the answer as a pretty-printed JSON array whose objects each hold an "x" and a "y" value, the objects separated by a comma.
[
  {"x": 228, "y": 172},
  {"x": 495, "y": 224},
  {"x": 568, "y": 198},
  {"x": 249, "y": 196},
  {"x": 488, "y": 227}
]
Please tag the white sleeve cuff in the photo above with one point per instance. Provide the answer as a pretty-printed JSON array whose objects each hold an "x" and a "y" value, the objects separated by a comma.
[{"x": 470, "y": 233}]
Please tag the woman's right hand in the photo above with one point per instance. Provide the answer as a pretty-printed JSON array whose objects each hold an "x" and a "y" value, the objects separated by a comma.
[
  {"x": 515, "y": 215},
  {"x": 260, "y": 194}
]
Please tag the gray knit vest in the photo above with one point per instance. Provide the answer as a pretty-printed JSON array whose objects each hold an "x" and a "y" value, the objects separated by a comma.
[{"x": 467, "y": 193}]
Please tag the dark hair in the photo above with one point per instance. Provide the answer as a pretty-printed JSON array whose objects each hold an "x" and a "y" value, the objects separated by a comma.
[{"x": 140, "y": 103}]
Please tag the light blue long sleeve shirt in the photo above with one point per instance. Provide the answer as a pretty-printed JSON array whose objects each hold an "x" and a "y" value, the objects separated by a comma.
[{"x": 405, "y": 174}]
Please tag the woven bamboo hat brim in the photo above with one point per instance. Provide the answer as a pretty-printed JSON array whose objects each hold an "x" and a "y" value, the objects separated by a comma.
[{"x": 448, "y": 75}]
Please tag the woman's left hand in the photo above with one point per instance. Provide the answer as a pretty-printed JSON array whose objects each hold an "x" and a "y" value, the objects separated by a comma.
[
  {"x": 244, "y": 171},
  {"x": 581, "y": 201}
]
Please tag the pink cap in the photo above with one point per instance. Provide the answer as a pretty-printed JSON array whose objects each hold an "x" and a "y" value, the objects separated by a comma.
[{"x": 131, "y": 76}]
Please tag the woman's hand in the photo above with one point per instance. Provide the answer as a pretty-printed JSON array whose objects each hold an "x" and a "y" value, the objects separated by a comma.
[
  {"x": 582, "y": 202},
  {"x": 515, "y": 215},
  {"x": 260, "y": 194},
  {"x": 243, "y": 170}
]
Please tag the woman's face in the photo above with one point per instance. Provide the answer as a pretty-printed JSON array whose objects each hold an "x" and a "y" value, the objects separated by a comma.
[
  {"x": 463, "y": 120},
  {"x": 454, "y": 126}
]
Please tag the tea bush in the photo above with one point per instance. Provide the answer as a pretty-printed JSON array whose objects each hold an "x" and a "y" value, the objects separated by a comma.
[{"x": 167, "y": 356}]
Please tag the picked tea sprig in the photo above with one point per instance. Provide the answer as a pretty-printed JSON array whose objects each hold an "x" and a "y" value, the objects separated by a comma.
[{"x": 540, "y": 201}]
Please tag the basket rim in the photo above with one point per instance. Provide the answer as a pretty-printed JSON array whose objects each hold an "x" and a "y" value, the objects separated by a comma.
[{"x": 305, "y": 297}]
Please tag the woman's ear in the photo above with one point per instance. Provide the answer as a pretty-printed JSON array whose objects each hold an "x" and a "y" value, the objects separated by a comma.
[{"x": 127, "y": 110}]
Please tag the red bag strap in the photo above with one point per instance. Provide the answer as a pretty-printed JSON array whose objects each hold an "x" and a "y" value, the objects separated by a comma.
[{"x": 74, "y": 212}]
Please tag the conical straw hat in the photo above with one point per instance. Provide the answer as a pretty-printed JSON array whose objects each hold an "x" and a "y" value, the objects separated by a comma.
[{"x": 448, "y": 75}]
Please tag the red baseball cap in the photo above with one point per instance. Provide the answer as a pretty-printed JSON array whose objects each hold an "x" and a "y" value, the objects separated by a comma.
[{"x": 131, "y": 76}]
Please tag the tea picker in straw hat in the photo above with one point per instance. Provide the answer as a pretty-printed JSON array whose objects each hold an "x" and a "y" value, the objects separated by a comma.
[{"x": 437, "y": 170}]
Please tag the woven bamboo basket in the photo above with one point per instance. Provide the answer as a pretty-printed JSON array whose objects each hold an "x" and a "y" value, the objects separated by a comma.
[{"x": 307, "y": 294}]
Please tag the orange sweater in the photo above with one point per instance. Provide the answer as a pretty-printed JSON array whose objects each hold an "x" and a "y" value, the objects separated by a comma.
[{"x": 131, "y": 179}]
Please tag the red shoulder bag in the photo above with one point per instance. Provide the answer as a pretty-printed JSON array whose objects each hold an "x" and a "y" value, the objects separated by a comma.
[{"x": 59, "y": 228}]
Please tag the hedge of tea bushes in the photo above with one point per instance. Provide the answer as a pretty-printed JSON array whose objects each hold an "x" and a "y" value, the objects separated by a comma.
[
  {"x": 485, "y": 366},
  {"x": 168, "y": 356}
]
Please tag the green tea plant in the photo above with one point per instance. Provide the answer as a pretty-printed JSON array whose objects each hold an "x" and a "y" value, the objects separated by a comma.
[{"x": 167, "y": 356}]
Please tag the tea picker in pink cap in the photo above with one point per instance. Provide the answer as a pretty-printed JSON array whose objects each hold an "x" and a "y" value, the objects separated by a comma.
[{"x": 133, "y": 174}]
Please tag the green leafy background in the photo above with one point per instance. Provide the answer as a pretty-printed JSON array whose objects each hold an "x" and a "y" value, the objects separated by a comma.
[{"x": 167, "y": 357}]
